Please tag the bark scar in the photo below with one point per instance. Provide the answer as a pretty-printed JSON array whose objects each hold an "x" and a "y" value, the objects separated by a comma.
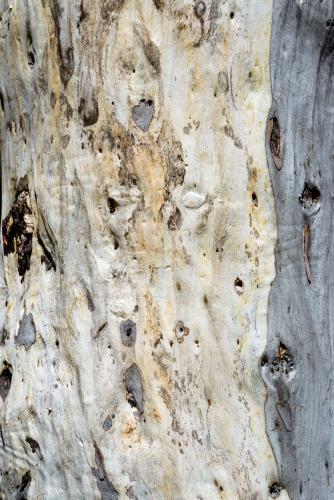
[{"x": 307, "y": 234}]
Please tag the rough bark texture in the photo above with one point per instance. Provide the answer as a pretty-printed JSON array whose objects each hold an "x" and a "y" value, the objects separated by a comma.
[
  {"x": 298, "y": 364},
  {"x": 138, "y": 235}
]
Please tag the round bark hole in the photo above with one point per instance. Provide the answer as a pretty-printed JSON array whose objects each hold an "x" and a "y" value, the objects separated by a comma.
[
  {"x": 128, "y": 332},
  {"x": 113, "y": 205},
  {"x": 239, "y": 286}
]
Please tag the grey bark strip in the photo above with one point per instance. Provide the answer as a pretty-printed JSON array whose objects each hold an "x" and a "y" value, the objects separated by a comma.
[{"x": 301, "y": 300}]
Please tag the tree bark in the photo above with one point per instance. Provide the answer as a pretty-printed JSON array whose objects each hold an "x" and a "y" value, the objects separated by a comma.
[
  {"x": 138, "y": 234},
  {"x": 298, "y": 363}
]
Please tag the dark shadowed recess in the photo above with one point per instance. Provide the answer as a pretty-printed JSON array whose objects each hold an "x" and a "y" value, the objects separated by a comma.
[{"x": 297, "y": 365}]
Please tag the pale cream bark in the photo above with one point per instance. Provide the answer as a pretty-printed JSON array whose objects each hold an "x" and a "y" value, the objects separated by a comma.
[{"x": 133, "y": 161}]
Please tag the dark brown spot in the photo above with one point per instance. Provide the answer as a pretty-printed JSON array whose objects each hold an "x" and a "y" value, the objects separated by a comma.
[
  {"x": 53, "y": 99},
  {"x": 255, "y": 199},
  {"x": 239, "y": 286},
  {"x": 35, "y": 448},
  {"x": 276, "y": 142},
  {"x": 88, "y": 111},
  {"x": 5, "y": 380},
  {"x": 175, "y": 220},
  {"x": 310, "y": 197},
  {"x": 275, "y": 489},
  {"x": 22, "y": 493},
  {"x": 113, "y": 205},
  {"x": 128, "y": 332}
]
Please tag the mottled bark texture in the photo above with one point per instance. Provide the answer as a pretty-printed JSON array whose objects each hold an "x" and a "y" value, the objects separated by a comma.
[
  {"x": 138, "y": 232},
  {"x": 298, "y": 364}
]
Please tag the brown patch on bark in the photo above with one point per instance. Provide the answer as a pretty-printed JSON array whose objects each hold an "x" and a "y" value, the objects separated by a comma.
[{"x": 17, "y": 228}]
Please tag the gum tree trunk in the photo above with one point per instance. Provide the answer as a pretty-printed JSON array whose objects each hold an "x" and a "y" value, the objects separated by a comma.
[{"x": 138, "y": 239}]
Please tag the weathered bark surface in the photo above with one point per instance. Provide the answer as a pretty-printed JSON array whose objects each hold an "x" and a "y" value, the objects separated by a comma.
[
  {"x": 298, "y": 365},
  {"x": 138, "y": 236}
]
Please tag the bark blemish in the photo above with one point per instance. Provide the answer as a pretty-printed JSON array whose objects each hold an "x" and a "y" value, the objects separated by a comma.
[
  {"x": 64, "y": 140},
  {"x": 22, "y": 493},
  {"x": 105, "y": 486},
  {"x": 264, "y": 360},
  {"x": 47, "y": 258},
  {"x": 239, "y": 286},
  {"x": 200, "y": 9},
  {"x": 128, "y": 332},
  {"x": 306, "y": 241},
  {"x": 66, "y": 107},
  {"x": 152, "y": 54},
  {"x": 31, "y": 50},
  {"x": 255, "y": 199},
  {"x": 107, "y": 424},
  {"x": 276, "y": 142},
  {"x": 90, "y": 301},
  {"x": 88, "y": 111},
  {"x": 283, "y": 363},
  {"x": 142, "y": 114},
  {"x": 82, "y": 14},
  {"x": 109, "y": 7},
  {"x": 275, "y": 489},
  {"x": 310, "y": 198},
  {"x": 134, "y": 387},
  {"x": 65, "y": 53},
  {"x": 181, "y": 331},
  {"x": 5, "y": 380},
  {"x": 175, "y": 166},
  {"x": 26, "y": 335},
  {"x": 53, "y": 99},
  {"x": 113, "y": 205},
  {"x": 17, "y": 228},
  {"x": 66, "y": 66},
  {"x": 175, "y": 220},
  {"x": 35, "y": 448},
  {"x": 159, "y": 4}
]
